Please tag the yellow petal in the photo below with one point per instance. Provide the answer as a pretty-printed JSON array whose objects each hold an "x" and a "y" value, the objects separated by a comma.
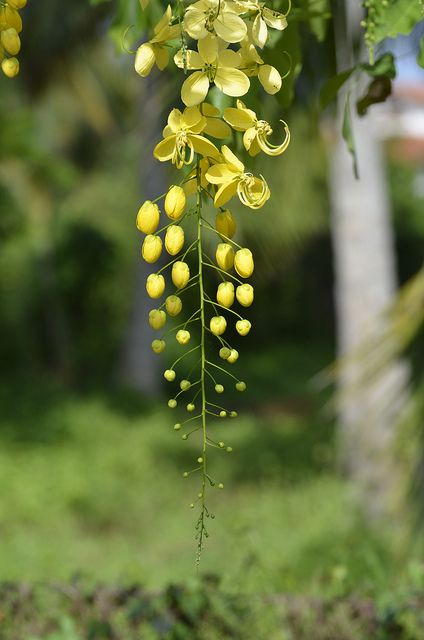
[
  {"x": 144, "y": 59},
  {"x": 230, "y": 27},
  {"x": 209, "y": 110},
  {"x": 229, "y": 58},
  {"x": 165, "y": 20},
  {"x": 174, "y": 120},
  {"x": 225, "y": 193},
  {"x": 192, "y": 59},
  {"x": 208, "y": 49},
  {"x": 216, "y": 128},
  {"x": 239, "y": 119},
  {"x": 274, "y": 19},
  {"x": 161, "y": 56},
  {"x": 231, "y": 159},
  {"x": 259, "y": 31},
  {"x": 195, "y": 23},
  {"x": 248, "y": 137},
  {"x": 164, "y": 150},
  {"x": 195, "y": 88},
  {"x": 269, "y": 78},
  {"x": 193, "y": 119},
  {"x": 203, "y": 146},
  {"x": 220, "y": 173},
  {"x": 232, "y": 82},
  {"x": 255, "y": 148}
]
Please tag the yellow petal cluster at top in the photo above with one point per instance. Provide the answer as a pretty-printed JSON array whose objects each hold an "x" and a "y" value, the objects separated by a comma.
[{"x": 227, "y": 35}]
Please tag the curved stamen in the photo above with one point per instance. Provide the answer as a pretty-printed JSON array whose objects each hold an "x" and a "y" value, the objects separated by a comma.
[{"x": 272, "y": 149}]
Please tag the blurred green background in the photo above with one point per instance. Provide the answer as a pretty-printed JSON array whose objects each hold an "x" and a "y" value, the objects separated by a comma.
[{"x": 90, "y": 468}]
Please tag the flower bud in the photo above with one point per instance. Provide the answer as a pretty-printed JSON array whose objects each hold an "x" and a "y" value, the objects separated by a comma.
[
  {"x": 241, "y": 386},
  {"x": 219, "y": 388},
  {"x": 9, "y": 17},
  {"x": 172, "y": 403},
  {"x": 175, "y": 202},
  {"x": 148, "y": 217},
  {"x": 225, "y": 223},
  {"x": 245, "y": 294},
  {"x": 151, "y": 249},
  {"x": 155, "y": 285},
  {"x": 217, "y": 325},
  {"x": 173, "y": 305},
  {"x": 190, "y": 407},
  {"x": 174, "y": 239},
  {"x": 222, "y": 414},
  {"x": 144, "y": 59},
  {"x": 169, "y": 375},
  {"x": 10, "y": 67},
  {"x": 157, "y": 319},
  {"x": 220, "y": 486},
  {"x": 224, "y": 256},
  {"x": 180, "y": 274},
  {"x": 243, "y": 263},
  {"x": 183, "y": 336},
  {"x": 233, "y": 356},
  {"x": 185, "y": 385},
  {"x": 10, "y": 41},
  {"x": 225, "y": 294},
  {"x": 224, "y": 353},
  {"x": 243, "y": 327},
  {"x": 17, "y": 4},
  {"x": 233, "y": 414},
  {"x": 158, "y": 346}
]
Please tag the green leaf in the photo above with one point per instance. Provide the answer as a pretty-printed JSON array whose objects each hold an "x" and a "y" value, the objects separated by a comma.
[
  {"x": 378, "y": 91},
  {"x": 331, "y": 87},
  {"x": 420, "y": 57},
  {"x": 384, "y": 66},
  {"x": 319, "y": 25},
  {"x": 399, "y": 17},
  {"x": 347, "y": 134}
]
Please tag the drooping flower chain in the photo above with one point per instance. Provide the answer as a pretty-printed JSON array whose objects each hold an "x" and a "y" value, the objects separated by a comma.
[
  {"x": 211, "y": 174},
  {"x": 10, "y": 28}
]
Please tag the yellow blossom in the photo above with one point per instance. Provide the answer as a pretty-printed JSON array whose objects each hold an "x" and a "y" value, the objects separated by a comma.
[
  {"x": 182, "y": 140},
  {"x": 213, "y": 63},
  {"x": 155, "y": 51},
  {"x": 231, "y": 178},
  {"x": 263, "y": 18},
  {"x": 253, "y": 65},
  {"x": 214, "y": 16},
  {"x": 256, "y": 132}
]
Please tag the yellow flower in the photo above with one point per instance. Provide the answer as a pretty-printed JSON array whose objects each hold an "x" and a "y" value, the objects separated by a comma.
[
  {"x": 245, "y": 294},
  {"x": 243, "y": 263},
  {"x": 231, "y": 178},
  {"x": 155, "y": 51},
  {"x": 155, "y": 285},
  {"x": 225, "y": 294},
  {"x": 253, "y": 65},
  {"x": 182, "y": 140},
  {"x": 173, "y": 305},
  {"x": 256, "y": 132},
  {"x": 214, "y": 16},
  {"x": 218, "y": 325},
  {"x": 180, "y": 274},
  {"x": 174, "y": 239},
  {"x": 151, "y": 249},
  {"x": 213, "y": 64},
  {"x": 215, "y": 126},
  {"x": 175, "y": 202},
  {"x": 157, "y": 319},
  {"x": 243, "y": 327},
  {"x": 224, "y": 256},
  {"x": 148, "y": 217},
  {"x": 264, "y": 18}
]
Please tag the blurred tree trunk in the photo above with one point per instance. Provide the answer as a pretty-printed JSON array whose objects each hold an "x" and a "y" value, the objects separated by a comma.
[
  {"x": 139, "y": 365},
  {"x": 365, "y": 282}
]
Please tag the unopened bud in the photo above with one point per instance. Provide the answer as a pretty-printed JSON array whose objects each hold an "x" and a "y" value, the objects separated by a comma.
[
  {"x": 180, "y": 274},
  {"x": 174, "y": 239},
  {"x": 173, "y": 305},
  {"x": 233, "y": 356},
  {"x": 10, "y": 41},
  {"x": 169, "y": 375},
  {"x": 217, "y": 325},
  {"x": 151, "y": 249},
  {"x": 245, "y": 294},
  {"x": 243, "y": 327},
  {"x": 158, "y": 346},
  {"x": 183, "y": 336},
  {"x": 225, "y": 294},
  {"x": 243, "y": 263},
  {"x": 224, "y": 353},
  {"x": 10, "y": 67},
  {"x": 224, "y": 256},
  {"x": 175, "y": 202},
  {"x": 185, "y": 385},
  {"x": 157, "y": 319},
  {"x": 155, "y": 285},
  {"x": 225, "y": 223},
  {"x": 241, "y": 386},
  {"x": 148, "y": 217}
]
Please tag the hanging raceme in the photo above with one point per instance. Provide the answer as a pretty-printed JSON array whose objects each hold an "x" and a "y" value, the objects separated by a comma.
[
  {"x": 225, "y": 34},
  {"x": 10, "y": 28}
]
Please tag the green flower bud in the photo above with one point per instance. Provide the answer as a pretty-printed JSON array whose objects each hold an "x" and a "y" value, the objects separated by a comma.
[
  {"x": 157, "y": 319},
  {"x": 225, "y": 223},
  {"x": 219, "y": 388},
  {"x": 243, "y": 263},
  {"x": 229, "y": 449},
  {"x": 177, "y": 426},
  {"x": 151, "y": 249},
  {"x": 169, "y": 375},
  {"x": 158, "y": 346},
  {"x": 224, "y": 256},
  {"x": 220, "y": 486},
  {"x": 245, "y": 294},
  {"x": 175, "y": 202},
  {"x": 200, "y": 460},
  {"x": 224, "y": 353},
  {"x": 185, "y": 474},
  {"x": 10, "y": 41},
  {"x": 190, "y": 407},
  {"x": 221, "y": 445},
  {"x": 10, "y": 67},
  {"x": 172, "y": 403},
  {"x": 180, "y": 274},
  {"x": 243, "y": 327},
  {"x": 185, "y": 385},
  {"x": 173, "y": 305},
  {"x": 233, "y": 356},
  {"x": 233, "y": 414},
  {"x": 184, "y": 436},
  {"x": 222, "y": 414},
  {"x": 155, "y": 285},
  {"x": 183, "y": 336},
  {"x": 225, "y": 294},
  {"x": 148, "y": 217},
  {"x": 174, "y": 239},
  {"x": 241, "y": 386},
  {"x": 217, "y": 325}
]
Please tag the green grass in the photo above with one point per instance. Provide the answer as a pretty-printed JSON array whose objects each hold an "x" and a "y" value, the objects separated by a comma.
[{"x": 93, "y": 485}]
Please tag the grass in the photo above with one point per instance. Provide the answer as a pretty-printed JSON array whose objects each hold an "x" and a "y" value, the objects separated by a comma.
[{"x": 92, "y": 485}]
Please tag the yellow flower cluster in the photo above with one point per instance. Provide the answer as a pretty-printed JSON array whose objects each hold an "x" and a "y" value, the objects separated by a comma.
[
  {"x": 10, "y": 28},
  {"x": 226, "y": 36}
]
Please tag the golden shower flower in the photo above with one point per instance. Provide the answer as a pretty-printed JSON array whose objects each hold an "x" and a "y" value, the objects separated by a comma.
[
  {"x": 231, "y": 178},
  {"x": 212, "y": 63},
  {"x": 256, "y": 132},
  {"x": 264, "y": 18},
  {"x": 182, "y": 140},
  {"x": 155, "y": 51},
  {"x": 253, "y": 65},
  {"x": 214, "y": 17}
]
